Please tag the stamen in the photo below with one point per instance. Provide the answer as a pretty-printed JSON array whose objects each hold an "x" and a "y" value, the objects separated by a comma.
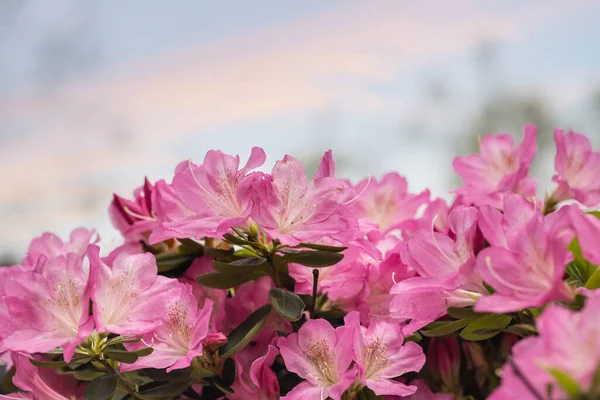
[
  {"x": 352, "y": 200},
  {"x": 394, "y": 278},
  {"x": 436, "y": 243},
  {"x": 488, "y": 263},
  {"x": 146, "y": 344},
  {"x": 198, "y": 183},
  {"x": 138, "y": 216}
]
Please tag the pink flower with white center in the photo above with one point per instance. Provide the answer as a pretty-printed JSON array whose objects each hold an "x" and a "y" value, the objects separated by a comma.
[
  {"x": 577, "y": 169},
  {"x": 445, "y": 266},
  {"x": 529, "y": 274},
  {"x": 129, "y": 298},
  {"x": 179, "y": 338},
  {"x": 381, "y": 356},
  {"x": 50, "y": 245},
  {"x": 567, "y": 342},
  {"x": 500, "y": 167},
  {"x": 216, "y": 193},
  {"x": 254, "y": 377},
  {"x": 321, "y": 354},
  {"x": 46, "y": 307},
  {"x": 387, "y": 202},
  {"x": 294, "y": 210},
  {"x": 42, "y": 383}
]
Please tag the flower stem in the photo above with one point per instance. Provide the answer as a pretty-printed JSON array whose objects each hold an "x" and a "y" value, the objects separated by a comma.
[{"x": 315, "y": 273}]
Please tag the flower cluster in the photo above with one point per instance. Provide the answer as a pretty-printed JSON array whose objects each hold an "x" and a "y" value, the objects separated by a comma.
[{"x": 240, "y": 284}]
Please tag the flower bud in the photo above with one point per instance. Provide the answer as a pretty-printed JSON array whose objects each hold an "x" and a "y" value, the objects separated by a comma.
[{"x": 443, "y": 360}]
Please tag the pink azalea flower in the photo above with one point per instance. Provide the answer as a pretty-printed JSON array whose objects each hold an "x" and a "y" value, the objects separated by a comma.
[
  {"x": 179, "y": 338},
  {"x": 381, "y": 356},
  {"x": 587, "y": 228},
  {"x": 567, "y": 342},
  {"x": 320, "y": 354},
  {"x": 129, "y": 297},
  {"x": 254, "y": 377},
  {"x": 294, "y": 210},
  {"x": 216, "y": 193},
  {"x": 42, "y": 383},
  {"x": 501, "y": 167},
  {"x": 501, "y": 228},
  {"x": 388, "y": 203},
  {"x": 381, "y": 277},
  {"x": 133, "y": 217},
  {"x": 529, "y": 274},
  {"x": 46, "y": 307},
  {"x": 200, "y": 266},
  {"x": 577, "y": 169},
  {"x": 445, "y": 267},
  {"x": 50, "y": 245}
]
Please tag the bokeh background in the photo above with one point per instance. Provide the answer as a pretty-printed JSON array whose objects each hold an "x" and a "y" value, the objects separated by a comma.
[{"x": 94, "y": 95}]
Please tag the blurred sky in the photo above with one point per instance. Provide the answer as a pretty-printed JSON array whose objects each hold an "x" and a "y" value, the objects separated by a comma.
[{"x": 95, "y": 95}]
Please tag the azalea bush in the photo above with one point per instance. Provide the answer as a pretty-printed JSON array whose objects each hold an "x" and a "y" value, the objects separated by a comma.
[{"x": 238, "y": 284}]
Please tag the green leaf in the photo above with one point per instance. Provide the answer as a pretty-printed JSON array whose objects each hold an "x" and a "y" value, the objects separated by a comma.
[
  {"x": 368, "y": 394},
  {"x": 245, "y": 332},
  {"x": 568, "y": 384},
  {"x": 228, "y": 372},
  {"x": 485, "y": 327},
  {"x": 322, "y": 247},
  {"x": 101, "y": 388},
  {"x": 146, "y": 351},
  {"x": 121, "y": 355},
  {"x": 48, "y": 364},
  {"x": 219, "y": 253},
  {"x": 579, "y": 269},
  {"x": 169, "y": 261},
  {"x": 236, "y": 240},
  {"x": 77, "y": 362},
  {"x": 189, "y": 246},
  {"x": 286, "y": 304},
  {"x": 167, "y": 391},
  {"x": 87, "y": 375},
  {"x": 226, "y": 280},
  {"x": 245, "y": 265},
  {"x": 315, "y": 259},
  {"x": 220, "y": 384},
  {"x": 462, "y": 313},
  {"x": 521, "y": 329},
  {"x": 594, "y": 281},
  {"x": 445, "y": 328},
  {"x": 161, "y": 375}
]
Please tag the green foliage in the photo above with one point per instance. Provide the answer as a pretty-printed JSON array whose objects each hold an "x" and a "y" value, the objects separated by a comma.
[
  {"x": 580, "y": 270},
  {"x": 312, "y": 258},
  {"x": 245, "y": 332},
  {"x": 485, "y": 327},
  {"x": 286, "y": 304},
  {"x": 568, "y": 384},
  {"x": 443, "y": 328},
  {"x": 101, "y": 388}
]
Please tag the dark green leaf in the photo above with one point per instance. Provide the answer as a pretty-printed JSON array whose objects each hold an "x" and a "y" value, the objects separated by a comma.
[
  {"x": 161, "y": 375},
  {"x": 101, "y": 388},
  {"x": 189, "y": 246},
  {"x": 315, "y": 259},
  {"x": 220, "y": 384},
  {"x": 228, "y": 372},
  {"x": 485, "y": 327},
  {"x": 77, "y": 362},
  {"x": 245, "y": 332},
  {"x": 368, "y": 394},
  {"x": 225, "y": 280},
  {"x": 169, "y": 261},
  {"x": 568, "y": 384},
  {"x": 219, "y": 253},
  {"x": 146, "y": 351},
  {"x": 446, "y": 328},
  {"x": 87, "y": 375},
  {"x": 286, "y": 304},
  {"x": 48, "y": 364},
  {"x": 521, "y": 329},
  {"x": 331, "y": 314},
  {"x": 121, "y": 355},
  {"x": 236, "y": 240},
  {"x": 322, "y": 247},
  {"x": 167, "y": 391},
  {"x": 462, "y": 313}
]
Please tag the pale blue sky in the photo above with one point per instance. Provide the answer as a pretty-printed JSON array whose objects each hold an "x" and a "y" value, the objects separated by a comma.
[{"x": 94, "y": 95}]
